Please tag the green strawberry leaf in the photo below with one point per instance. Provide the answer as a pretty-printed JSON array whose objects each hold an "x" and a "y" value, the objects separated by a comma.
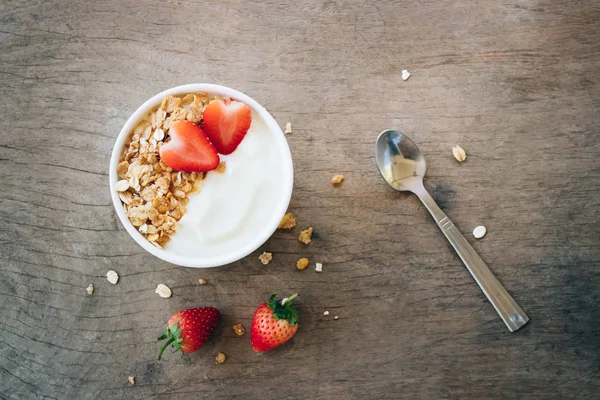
[{"x": 284, "y": 311}]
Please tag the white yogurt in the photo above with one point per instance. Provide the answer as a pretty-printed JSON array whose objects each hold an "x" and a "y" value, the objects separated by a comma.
[{"x": 233, "y": 207}]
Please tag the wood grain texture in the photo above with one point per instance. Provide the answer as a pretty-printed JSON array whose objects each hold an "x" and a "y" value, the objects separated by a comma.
[{"x": 516, "y": 83}]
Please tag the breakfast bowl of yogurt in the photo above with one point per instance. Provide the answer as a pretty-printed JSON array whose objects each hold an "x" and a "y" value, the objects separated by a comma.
[{"x": 201, "y": 175}]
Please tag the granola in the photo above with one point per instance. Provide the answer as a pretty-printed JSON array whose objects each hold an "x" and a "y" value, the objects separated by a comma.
[
  {"x": 337, "y": 179},
  {"x": 220, "y": 358},
  {"x": 239, "y": 329},
  {"x": 302, "y": 263},
  {"x": 154, "y": 196},
  {"x": 305, "y": 235},
  {"x": 221, "y": 167},
  {"x": 287, "y": 222},
  {"x": 265, "y": 257}
]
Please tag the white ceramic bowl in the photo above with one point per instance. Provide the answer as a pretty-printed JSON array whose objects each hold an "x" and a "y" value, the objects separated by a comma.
[{"x": 278, "y": 211}]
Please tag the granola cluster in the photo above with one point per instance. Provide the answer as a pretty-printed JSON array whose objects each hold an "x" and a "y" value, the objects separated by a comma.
[{"x": 153, "y": 195}]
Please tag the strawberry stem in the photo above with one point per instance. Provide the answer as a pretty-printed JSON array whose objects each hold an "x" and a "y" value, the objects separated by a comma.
[
  {"x": 162, "y": 349},
  {"x": 172, "y": 334},
  {"x": 289, "y": 299}
]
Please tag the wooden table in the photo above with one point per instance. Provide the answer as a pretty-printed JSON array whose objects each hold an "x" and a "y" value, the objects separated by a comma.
[{"x": 516, "y": 83}]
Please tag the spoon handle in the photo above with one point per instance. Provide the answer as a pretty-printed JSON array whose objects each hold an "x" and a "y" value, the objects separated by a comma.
[{"x": 508, "y": 309}]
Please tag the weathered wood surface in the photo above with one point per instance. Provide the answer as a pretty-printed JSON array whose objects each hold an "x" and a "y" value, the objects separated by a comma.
[{"x": 515, "y": 82}]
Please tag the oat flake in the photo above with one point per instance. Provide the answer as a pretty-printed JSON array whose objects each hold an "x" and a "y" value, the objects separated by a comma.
[
  {"x": 112, "y": 277},
  {"x": 163, "y": 291},
  {"x": 122, "y": 185},
  {"x": 479, "y": 232},
  {"x": 459, "y": 153}
]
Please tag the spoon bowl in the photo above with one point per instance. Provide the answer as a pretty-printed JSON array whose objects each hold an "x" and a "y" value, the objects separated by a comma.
[
  {"x": 402, "y": 166},
  {"x": 400, "y": 162}
]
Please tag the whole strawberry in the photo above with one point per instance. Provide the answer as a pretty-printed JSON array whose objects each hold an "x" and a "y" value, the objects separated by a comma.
[
  {"x": 274, "y": 323},
  {"x": 189, "y": 329}
]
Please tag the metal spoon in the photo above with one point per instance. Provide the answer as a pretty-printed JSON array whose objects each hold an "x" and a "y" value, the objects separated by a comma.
[{"x": 402, "y": 165}]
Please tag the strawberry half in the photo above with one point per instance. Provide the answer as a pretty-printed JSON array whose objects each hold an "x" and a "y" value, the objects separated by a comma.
[
  {"x": 226, "y": 122},
  {"x": 188, "y": 148},
  {"x": 189, "y": 329},
  {"x": 273, "y": 324}
]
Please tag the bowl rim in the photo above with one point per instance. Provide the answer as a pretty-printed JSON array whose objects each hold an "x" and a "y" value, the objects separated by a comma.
[{"x": 278, "y": 212}]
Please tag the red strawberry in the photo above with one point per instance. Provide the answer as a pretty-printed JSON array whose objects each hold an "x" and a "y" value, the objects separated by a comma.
[
  {"x": 226, "y": 123},
  {"x": 188, "y": 148},
  {"x": 189, "y": 329},
  {"x": 273, "y": 324}
]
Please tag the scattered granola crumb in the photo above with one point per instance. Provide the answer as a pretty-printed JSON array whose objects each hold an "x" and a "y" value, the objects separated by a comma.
[
  {"x": 202, "y": 281},
  {"x": 265, "y": 257},
  {"x": 326, "y": 313},
  {"x": 305, "y": 236},
  {"x": 405, "y": 74},
  {"x": 288, "y": 221},
  {"x": 239, "y": 329},
  {"x": 163, "y": 291},
  {"x": 112, "y": 277},
  {"x": 221, "y": 167},
  {"x": 220, "y": 359},
  {"x": 319, "y": 267},
  {"x": 90, "y": 289},
  {"x": 302, "y": 263},
  {"x": 336, "y": 317},
  {"x": 288, "y": 128},
  {"x": 479, "y": 232},
  {"x": 337, "y": 179},
  {"x": 131, "y": 380},
  {"x": 459, "y": 153}
]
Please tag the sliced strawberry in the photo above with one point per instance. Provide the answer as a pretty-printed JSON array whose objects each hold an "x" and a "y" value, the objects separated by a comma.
[
  {"x": 226, "y": 123},
  {"x": 188, "y": 149}
]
